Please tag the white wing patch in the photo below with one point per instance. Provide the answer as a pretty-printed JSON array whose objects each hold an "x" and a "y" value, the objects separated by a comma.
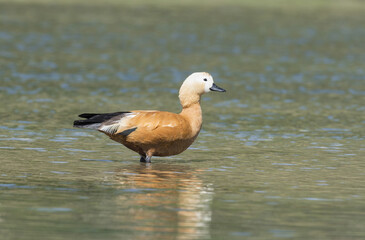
[{"x": 113, "y": 127}]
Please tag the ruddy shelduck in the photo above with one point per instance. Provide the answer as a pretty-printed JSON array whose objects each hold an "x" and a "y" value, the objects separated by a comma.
[{"x": 157, "y": 133}]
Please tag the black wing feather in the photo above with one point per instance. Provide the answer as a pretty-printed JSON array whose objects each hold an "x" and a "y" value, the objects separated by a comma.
[{"x": 95, "y": 118}]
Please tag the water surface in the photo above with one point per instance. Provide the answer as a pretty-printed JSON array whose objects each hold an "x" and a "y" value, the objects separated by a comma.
[{"x": 280, "y": 155}]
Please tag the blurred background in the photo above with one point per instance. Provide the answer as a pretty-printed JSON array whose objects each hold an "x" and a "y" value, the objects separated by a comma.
[{"x": 280, "y": 155}]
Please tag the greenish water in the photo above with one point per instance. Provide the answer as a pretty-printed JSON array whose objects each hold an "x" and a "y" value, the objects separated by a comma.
[{"x": 280, "y": 156}]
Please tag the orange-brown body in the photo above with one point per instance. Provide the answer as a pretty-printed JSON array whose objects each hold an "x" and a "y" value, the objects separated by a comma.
[{"x": 161, "y": 133}]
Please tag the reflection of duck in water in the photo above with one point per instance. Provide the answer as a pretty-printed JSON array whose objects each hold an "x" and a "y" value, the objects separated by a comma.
[
  {"x": 170, "y": 199},
  {"x": 157, "y": 133}
]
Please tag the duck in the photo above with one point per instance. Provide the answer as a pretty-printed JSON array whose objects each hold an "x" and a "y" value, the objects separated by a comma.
[{"x": 156, "y": 133}]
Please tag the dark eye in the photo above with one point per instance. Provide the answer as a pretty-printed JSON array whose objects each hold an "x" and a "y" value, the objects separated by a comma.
[{"x": 205, "y": 79}]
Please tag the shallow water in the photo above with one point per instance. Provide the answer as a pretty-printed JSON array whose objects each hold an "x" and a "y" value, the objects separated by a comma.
[{"x": 280, "y": 156}]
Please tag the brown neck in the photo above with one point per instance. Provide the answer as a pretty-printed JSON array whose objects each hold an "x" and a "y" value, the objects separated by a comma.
[
  {"x": 188, "y": 98},
  {"x": 193, "y": 113}
]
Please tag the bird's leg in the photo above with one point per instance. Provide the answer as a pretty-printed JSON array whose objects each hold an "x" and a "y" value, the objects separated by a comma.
[
  {"x": 143, "y": 159},
  {"x": 148, "y": 159},
  {"x": 149, "y": 155}
]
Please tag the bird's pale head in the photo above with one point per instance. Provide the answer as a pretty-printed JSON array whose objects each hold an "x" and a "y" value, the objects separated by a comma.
[{"x": 195, "y": 85}]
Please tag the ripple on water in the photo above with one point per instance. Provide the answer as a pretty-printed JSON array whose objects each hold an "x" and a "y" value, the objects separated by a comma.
[
  {"x": 80, "y": 134},
  {"x": 131, "y": 75},
  {"x": 17, "y": 139},
  {"x": 62, "y": 139},
  {"x": 321, "y": 199},
  {"x": 96, "y": 160},
  {"x": 7, "y": 147},
  {"x": 66, "y": 189},
  {"x": 25, "y": 122},
  {"x": 59, "y": 162},
  {"x": 77, "y": 150},
  {"x": 280, "y": 233},
  {"x": 13, "y": 185},
  {"x": 40, "y": 100},
  {"x": 136, "y": 190},
  {"x": 128, "y": 90},
  {"x": 241, "y": 234},
  {"x": 231, "y": 103},
  {"x": 161, "y": 89},
  {"x": 337, "y": 130},
  {"x": 59, "y": 172},
  {"x": 18, "y": 128},
  {"x": 36, "y": 149},
  {"x": 284, "y": 164},
  {"x": 52, "y": 209}
]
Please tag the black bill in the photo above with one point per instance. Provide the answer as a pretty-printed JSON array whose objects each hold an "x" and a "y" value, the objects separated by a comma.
[{"x": 216, "y": 88}]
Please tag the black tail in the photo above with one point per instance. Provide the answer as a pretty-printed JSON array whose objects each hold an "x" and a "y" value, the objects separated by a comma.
[{"x": 94, "y": 120}]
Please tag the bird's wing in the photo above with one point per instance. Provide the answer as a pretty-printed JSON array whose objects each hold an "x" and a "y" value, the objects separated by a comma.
[{"x": 148, "y": 126}]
